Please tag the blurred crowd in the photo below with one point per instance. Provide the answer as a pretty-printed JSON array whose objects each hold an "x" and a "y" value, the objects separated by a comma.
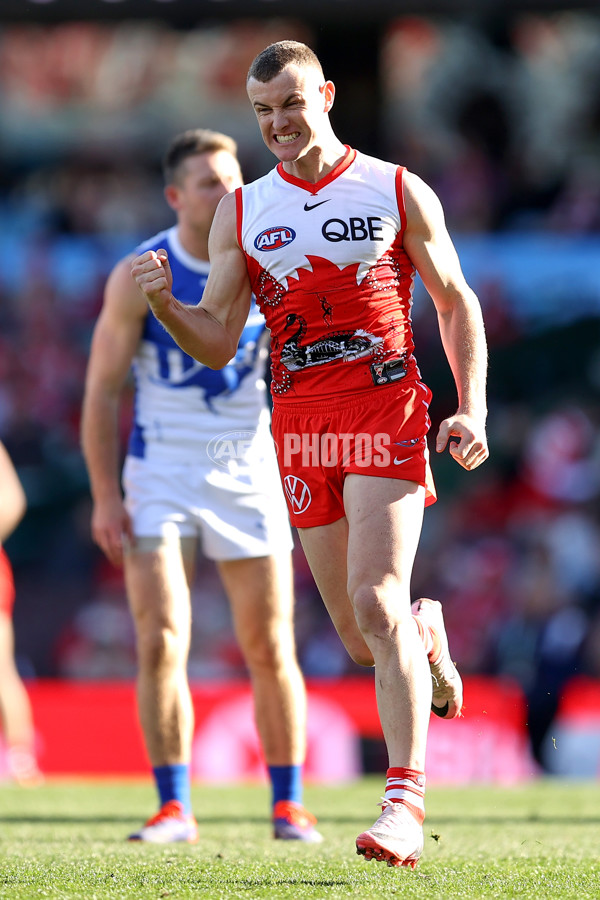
[{"x": 504, "y": 123}]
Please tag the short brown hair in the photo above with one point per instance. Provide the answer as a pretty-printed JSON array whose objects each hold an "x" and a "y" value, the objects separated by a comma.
[
  {"x": 192, "y": 143},
  {"x": 271, "y": 61}
]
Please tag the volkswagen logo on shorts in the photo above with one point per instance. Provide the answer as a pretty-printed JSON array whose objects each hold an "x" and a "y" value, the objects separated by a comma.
[
  {"x": 231, "y": 446},
  {"x": 298, "y": 493}
]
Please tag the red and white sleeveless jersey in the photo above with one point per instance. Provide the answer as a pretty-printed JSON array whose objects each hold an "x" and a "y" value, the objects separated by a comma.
[{"x": 331, "y": 277}]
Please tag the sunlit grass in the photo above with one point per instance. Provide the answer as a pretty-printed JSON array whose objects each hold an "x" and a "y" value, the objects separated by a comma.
[{"x": 66, "y": 840}]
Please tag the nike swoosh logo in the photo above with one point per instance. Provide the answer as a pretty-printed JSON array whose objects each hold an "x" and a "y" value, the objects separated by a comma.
[
  {"x": 398, "y": 462},
  {"x": 441, "y": 711},
  {"x": 307, "y": 208}
]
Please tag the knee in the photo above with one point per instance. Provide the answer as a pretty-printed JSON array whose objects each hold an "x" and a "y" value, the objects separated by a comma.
[
  {"x": 160, "y": 648},
  {"x": 368, "y": 603},
  {"x": 268, "y": 649},
  {"x": 378, "y": 608}
]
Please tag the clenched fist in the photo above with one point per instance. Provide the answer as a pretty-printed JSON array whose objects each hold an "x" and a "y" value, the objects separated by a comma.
[{"x": 154, "y": 278}]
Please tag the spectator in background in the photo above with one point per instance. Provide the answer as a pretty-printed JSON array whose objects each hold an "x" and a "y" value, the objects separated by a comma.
[
  {"x": 200, "y": 465},
  {"x": 15, "y": 708}
]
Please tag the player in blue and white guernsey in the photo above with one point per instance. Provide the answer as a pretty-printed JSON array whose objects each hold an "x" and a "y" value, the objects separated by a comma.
[
  {"x": 178, "y": 401},
  {"x": 200, "y": 467}
]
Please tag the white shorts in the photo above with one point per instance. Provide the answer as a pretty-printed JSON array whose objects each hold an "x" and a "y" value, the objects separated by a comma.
[{"x": 236, "y": 510}]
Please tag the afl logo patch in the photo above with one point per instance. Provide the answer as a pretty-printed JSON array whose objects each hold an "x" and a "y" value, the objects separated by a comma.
[
  {"x": 297, "y": 493},
  {"x": 274, "y": 238}
]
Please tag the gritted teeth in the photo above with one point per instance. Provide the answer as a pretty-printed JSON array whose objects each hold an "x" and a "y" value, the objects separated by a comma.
[{"x": 286, "y": 138}]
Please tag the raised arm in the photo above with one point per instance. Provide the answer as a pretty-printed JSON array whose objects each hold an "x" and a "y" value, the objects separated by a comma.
[
  {"x": 430, "y": 248},
  {"x": 209, "y": 332},
  {"x": 116, "y": 336}
]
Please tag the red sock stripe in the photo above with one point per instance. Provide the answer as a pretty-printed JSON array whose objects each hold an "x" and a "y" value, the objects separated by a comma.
[
  {"x": 401, "y": 789},
  {"x": 407, "y": 786},
  {"x": 400, "y": 772}
]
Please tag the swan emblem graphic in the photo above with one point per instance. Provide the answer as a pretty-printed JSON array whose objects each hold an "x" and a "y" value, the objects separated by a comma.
[{"x": 344, "y": 345}]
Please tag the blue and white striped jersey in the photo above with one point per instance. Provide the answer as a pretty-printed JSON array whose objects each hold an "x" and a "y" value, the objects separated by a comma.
[{"x": 180, "y": 404}]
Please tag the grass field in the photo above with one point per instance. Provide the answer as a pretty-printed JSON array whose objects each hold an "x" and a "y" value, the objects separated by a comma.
[{"x": 65, "y": 840}]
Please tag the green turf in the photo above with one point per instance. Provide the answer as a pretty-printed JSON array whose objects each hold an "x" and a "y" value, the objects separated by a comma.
[{"x": 65, "y": 840}]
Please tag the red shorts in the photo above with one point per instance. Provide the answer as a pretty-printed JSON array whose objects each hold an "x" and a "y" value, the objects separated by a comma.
[
  {"x": 380, "y": 433},
  {"x": 7, "y": 585}
]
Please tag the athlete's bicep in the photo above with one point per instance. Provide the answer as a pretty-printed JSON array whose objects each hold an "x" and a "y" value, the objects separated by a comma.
[
  {"x": 227, "y": 294},
  {"x": 429, "y": 245}
]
